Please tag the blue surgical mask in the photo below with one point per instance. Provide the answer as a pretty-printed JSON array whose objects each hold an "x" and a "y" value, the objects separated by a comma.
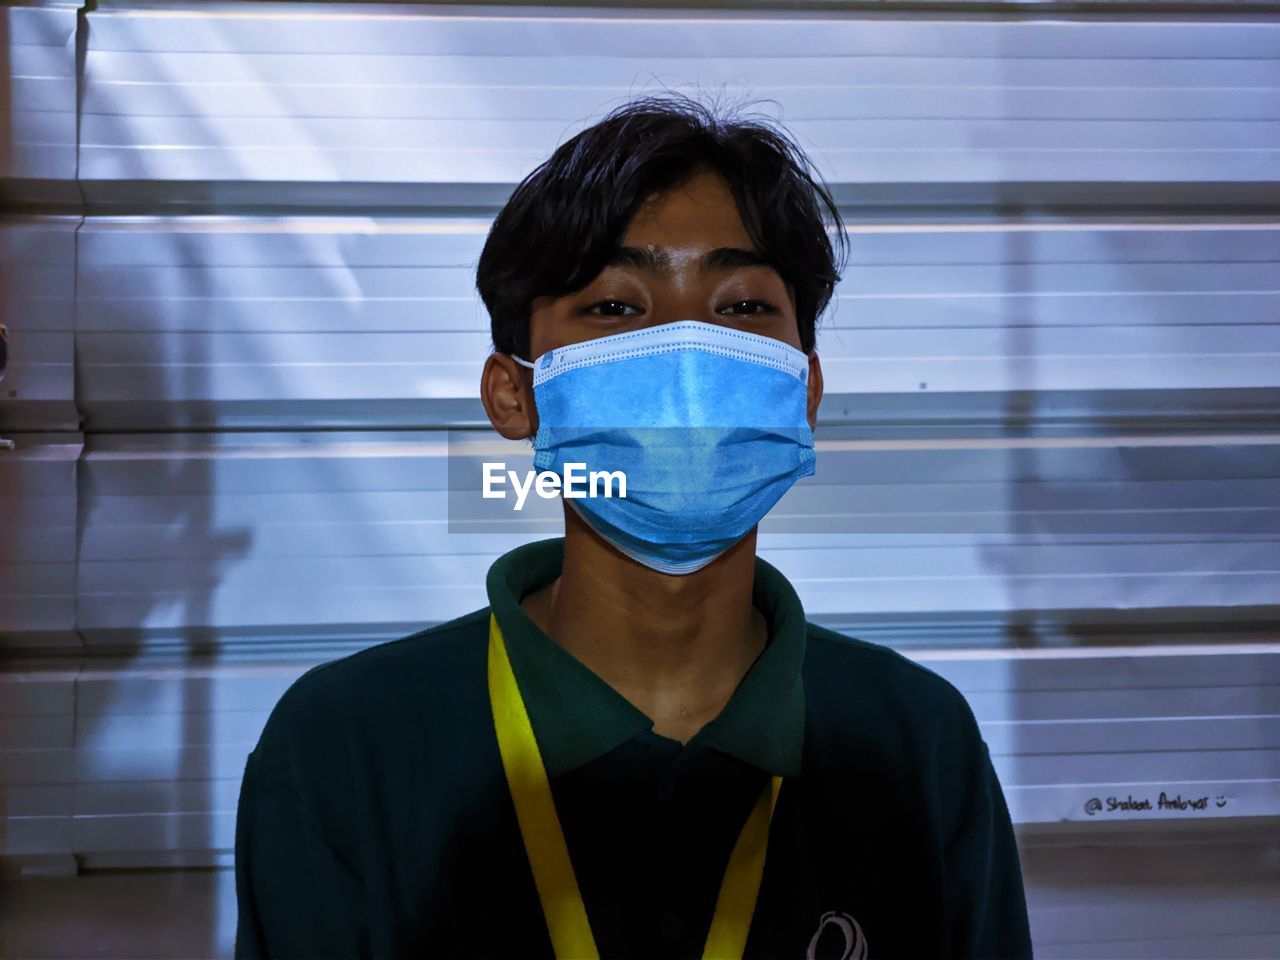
[{"x": 707, "y": 423}]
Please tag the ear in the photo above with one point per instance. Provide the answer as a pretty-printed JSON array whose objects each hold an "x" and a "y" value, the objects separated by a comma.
[
  {"x": 815, "y": 388},
  {"x": 506, "y": 390}
]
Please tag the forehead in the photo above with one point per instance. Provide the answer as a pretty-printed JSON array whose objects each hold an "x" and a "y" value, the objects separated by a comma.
[{"x": 700, "y": 212}]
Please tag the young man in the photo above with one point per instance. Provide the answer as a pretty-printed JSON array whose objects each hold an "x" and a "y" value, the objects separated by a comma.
[{"x": 640, "y": 748}]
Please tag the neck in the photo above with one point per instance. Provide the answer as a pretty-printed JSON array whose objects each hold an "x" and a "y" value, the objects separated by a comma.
[{"x": 675, "y": 646}]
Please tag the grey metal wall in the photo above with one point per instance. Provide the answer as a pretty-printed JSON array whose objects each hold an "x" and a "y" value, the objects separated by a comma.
[{"x": 236, "y": 268}]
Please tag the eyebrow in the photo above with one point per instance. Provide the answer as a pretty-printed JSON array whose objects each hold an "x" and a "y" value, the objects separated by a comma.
[{"x": 657, "y": 260}]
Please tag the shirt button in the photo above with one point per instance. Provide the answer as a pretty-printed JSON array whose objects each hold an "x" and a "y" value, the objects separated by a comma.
[
  {"x": 671, "y": 926},
  {"x": 666, "y": 792}
]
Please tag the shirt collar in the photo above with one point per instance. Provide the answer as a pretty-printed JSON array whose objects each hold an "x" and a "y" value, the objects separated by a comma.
[{"x": 578, "y": 717}]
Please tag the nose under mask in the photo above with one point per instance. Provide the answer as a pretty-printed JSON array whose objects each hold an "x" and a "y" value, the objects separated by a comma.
[{"x": 708, "y": 424}]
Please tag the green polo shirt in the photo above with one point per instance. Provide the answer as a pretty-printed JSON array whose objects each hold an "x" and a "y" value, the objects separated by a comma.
[
  {"x": 577, "y": 717},
  {"x": 374, "y": 817}
]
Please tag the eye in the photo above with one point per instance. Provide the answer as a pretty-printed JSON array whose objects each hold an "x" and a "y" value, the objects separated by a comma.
[
  {"x": 613, "y": 308},
  {"x": 748, "y": 307}
]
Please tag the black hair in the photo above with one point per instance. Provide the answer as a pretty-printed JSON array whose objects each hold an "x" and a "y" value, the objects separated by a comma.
[{"x": 566, "y": 218}]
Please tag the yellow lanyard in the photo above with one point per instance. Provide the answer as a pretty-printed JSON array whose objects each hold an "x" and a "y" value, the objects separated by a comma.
[{"x": 562, "y": 905}]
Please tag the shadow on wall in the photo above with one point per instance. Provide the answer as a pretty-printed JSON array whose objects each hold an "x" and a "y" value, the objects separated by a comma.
[{"x": 184, "y": 548}]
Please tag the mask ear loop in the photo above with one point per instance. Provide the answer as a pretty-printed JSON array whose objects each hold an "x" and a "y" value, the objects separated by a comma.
[{"x": 525, "y": 363}]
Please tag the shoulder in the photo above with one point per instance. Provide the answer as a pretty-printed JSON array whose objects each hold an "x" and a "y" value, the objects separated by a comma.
[
  {"x": 875, "y": 671},
  {"x": 871, "y": 696},
  {"x": 367, "y": 702},
  {"x": 393, "y": 661},
  {"x": 422, "y": 661}
]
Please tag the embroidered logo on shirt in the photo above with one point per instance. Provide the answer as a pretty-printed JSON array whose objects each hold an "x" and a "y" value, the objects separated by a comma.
[{"x": 841, "y": 930}]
